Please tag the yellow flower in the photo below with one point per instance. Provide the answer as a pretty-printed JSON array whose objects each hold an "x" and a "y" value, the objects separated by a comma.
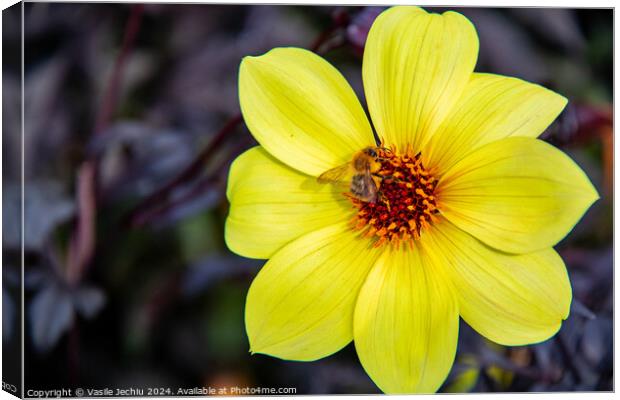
[{"x": 470, "y": 204}]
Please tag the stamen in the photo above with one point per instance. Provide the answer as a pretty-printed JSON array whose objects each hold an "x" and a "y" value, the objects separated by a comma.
[{"x": 405, "y": 204}]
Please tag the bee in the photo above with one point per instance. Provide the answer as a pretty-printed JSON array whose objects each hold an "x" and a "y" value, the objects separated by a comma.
[{"x": 360, "y": 173}]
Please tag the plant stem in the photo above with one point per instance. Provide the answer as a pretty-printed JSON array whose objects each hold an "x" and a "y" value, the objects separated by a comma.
[{"x": 83, "y": 237}]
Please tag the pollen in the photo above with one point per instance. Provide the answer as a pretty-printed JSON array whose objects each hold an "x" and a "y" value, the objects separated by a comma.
[{"x": 405, "y": 204}]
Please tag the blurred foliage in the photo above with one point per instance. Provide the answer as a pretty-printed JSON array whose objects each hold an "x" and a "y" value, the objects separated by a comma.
[{"x": 161, "y": 300}]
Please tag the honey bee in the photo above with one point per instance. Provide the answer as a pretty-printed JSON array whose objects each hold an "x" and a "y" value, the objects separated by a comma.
[{"x": 360, "y": 173}]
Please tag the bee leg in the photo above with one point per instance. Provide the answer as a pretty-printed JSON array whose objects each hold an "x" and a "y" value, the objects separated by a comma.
[
  {"x": 378, "y": 177},
  {"x": 379, "y": 158},
  {"x": 391, "y": 177},
  {"x": 385, "y": 201}
]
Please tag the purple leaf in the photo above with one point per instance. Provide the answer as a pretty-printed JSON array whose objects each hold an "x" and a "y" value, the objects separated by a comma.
[
  {"x": 88, "y": 301},
  {"x": 358, "y": 29},
  {"x": 215, "y": 268},
  {"x": 51, "y": 315}
]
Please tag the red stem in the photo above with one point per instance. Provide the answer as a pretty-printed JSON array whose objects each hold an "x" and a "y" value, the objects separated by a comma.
[
  {"x": 82, "y": 242},
  {"x": 74, "y": 354},
  {"x": 111, "y": 94}
]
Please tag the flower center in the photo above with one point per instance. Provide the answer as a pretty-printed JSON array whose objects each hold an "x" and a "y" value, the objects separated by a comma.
[{"x": 405, "y": 203}]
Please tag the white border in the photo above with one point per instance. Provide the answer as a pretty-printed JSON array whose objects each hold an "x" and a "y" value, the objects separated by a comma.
[{"x": 470, "y": 3}]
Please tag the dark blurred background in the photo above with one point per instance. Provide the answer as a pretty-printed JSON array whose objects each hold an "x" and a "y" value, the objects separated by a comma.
[{"x": 131, "y": 122}]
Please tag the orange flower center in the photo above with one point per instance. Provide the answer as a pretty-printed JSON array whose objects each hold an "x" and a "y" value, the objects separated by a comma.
[{"x": 405, "y": 204}]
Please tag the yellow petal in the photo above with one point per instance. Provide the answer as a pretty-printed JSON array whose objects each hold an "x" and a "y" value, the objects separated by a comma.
[
  {"x": 406, "y": 324},
  {"x": 516, "y": 194},
  {"x": 272, "y": 204},
  {"x": 510, "y": 299},
  {"x": 300, "y": 306},
  {"x": 302, "y": 110},
  {"x": 415, "y": 68},
  {"x": 492, "y": 107}
]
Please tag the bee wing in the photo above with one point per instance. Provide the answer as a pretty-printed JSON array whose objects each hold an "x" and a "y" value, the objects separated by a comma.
[
  {"x": 338, "y": 174},
  {"x": 364, "y": 187}
]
